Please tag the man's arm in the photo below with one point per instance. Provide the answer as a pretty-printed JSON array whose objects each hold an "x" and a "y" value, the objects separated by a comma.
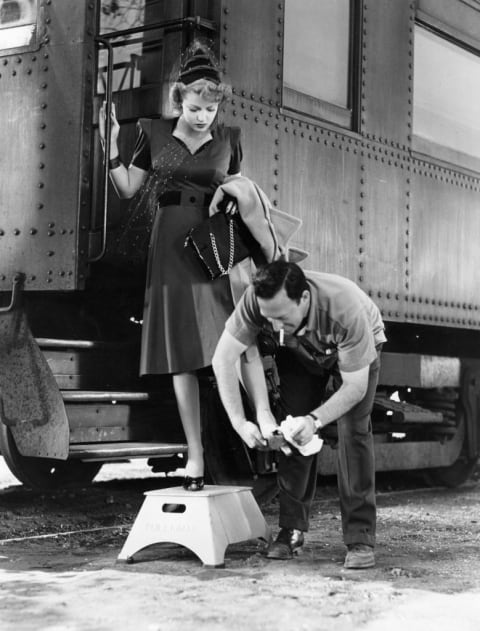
[
  {"x": 225, "y": 358},
  {"x": 353, "y": 389},
  {"x": 254, "y": 382}
]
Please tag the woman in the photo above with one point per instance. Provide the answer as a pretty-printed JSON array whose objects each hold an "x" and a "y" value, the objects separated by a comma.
[{"x": 189, "y": 156}]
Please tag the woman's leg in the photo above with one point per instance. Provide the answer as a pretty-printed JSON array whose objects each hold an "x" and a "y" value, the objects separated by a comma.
[{"x": 188, "y": 401}]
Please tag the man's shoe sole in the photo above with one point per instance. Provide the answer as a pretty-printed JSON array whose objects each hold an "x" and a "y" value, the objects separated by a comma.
[{"x": 359, "y": 564}]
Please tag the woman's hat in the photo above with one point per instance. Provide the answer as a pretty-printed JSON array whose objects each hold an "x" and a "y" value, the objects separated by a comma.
[{"x": 199, "y": 66}]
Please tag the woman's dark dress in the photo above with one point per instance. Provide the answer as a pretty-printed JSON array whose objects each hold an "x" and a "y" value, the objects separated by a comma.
[{"x": 184, "y": 312}]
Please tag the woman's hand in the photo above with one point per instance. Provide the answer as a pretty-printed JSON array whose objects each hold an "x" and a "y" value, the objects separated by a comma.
[
  {"x": 115, "y": 129},
  {"x": 228, "y": 205}
]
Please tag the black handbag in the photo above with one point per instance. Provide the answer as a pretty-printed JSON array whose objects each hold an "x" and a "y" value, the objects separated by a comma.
[{"x": 220, "y": 242}]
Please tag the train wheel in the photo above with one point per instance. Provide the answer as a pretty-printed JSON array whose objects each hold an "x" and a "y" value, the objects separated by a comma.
[
  {"x": 452, "y": 476},
  {"x": 228, "y": 460},
  {"x": 45, "y": 473},
  {"x": 455, "y": 474}
]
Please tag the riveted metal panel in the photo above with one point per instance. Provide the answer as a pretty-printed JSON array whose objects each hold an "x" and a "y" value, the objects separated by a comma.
[
  {"x": 317, "y": 183},
  {"x": 445, "y": 257},
  {"x": 251, "y": 38},
  {"x": 259, "y": 142},
  {"x": 387, "y": 70},
  {"x": 383, "y": 224},
  {"x": 458, "y": 17},
  {"x": 45, "y": 97}
]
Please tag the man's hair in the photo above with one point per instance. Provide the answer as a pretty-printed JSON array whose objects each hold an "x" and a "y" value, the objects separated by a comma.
[{"x": 271, "y": 278}]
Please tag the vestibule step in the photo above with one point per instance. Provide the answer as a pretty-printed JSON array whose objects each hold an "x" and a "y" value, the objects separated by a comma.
[
  {"x": 107, "y": 396},
  {"x": 124, "y": 450}
]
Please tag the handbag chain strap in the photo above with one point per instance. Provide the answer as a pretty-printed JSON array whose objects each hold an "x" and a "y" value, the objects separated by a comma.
[{"x": 231, "y": 252}]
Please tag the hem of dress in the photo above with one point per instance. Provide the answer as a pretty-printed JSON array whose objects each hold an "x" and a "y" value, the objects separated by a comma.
[{"x": 145, "y": 373}]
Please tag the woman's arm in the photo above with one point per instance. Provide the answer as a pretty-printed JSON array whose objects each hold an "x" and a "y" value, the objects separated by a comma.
[{"x": 126, "y": 181}]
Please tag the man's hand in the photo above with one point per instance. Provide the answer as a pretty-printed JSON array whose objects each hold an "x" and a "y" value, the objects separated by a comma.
[
  {"x": 300, "y": 428},
  {"x": 251, "y": 435}
]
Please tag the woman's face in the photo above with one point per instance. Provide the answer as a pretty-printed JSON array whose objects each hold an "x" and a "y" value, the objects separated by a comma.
[{"x": 198, "y": 113}]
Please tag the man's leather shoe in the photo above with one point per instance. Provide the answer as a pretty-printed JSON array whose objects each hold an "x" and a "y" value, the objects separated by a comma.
[
  {"x": 288, "y": 542},
  {"x": 359, "y": 557}
]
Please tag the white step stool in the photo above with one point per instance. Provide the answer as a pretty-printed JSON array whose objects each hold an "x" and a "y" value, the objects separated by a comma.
[{"x": 205, "y": 521}]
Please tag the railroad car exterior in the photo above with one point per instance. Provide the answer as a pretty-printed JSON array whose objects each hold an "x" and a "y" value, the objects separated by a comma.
[{"x": 358, "y": 116}]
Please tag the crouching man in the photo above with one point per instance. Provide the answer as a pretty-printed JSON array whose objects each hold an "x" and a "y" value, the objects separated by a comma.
[{"x": 325, "y": 326}]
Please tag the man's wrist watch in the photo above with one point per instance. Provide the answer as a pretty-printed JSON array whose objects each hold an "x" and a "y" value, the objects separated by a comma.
[{"x": 317, "y": 423}]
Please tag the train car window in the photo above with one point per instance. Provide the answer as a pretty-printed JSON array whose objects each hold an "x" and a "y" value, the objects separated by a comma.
[
  {"x": 446, "y": 104},
  {"x": 316, "y": 58},
  {"x": 117, "y": 17},
  {"x": 18, "y": 26}
]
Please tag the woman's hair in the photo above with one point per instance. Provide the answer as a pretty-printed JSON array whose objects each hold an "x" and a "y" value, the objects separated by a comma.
[
  {"x": 198, "y": 71},
  {"x": 208, "y": 90},
  {"x": 271, "y": 278}
]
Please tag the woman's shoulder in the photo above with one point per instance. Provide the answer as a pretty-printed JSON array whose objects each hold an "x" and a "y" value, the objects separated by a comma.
[
  {"x": 230, "y": 133},
  {"x": 152, "y": 126}
]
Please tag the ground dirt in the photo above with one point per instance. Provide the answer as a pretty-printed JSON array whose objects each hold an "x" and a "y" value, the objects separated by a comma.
[{"x": 59, "y": 569}]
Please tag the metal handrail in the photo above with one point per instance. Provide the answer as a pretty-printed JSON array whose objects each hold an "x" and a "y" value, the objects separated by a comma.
[
  {"x": 17, "y": 285},
  {"x": 108, "y": 134}
]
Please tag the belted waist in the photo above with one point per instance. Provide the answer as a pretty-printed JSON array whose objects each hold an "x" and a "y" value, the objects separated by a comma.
[{"x": 184, "y": 198}]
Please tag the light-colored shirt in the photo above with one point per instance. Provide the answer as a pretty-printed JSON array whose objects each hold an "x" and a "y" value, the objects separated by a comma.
[{"x": 343, "y": 325}]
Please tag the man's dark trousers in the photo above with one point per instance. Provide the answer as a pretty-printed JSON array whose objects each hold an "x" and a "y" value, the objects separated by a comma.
[{"x": 301, "y": 392}]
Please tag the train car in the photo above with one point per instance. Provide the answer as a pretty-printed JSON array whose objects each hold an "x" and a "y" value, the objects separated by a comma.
[{"x": 358, "y": 116}]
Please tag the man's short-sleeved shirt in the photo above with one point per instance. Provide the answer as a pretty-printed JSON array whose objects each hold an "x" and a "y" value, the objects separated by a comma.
[{"x": 343, "y": 325}]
